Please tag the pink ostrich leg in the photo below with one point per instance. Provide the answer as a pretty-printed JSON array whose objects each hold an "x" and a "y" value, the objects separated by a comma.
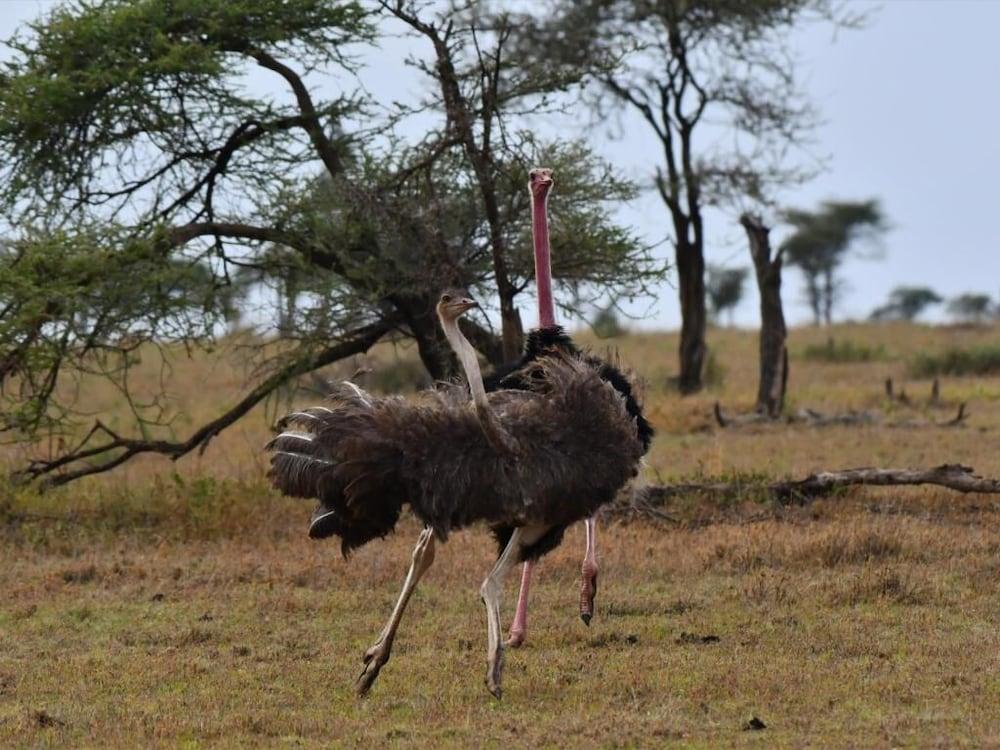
[{"x": 588, "y": 584}]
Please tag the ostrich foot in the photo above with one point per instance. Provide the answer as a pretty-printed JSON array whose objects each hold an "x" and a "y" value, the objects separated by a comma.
[
  {"x": 515, "y": 639},
  {"x": 494, "y": 672},
  {"x": 374, "y": 659}
]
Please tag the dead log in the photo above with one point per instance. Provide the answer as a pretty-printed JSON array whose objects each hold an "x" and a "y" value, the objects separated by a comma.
[
  {"x": 649, "y": 501},
  {"x": 812, "y": 418}
]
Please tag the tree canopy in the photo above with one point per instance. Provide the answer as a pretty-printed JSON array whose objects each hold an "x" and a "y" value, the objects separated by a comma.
[
  {"x": 141, "y": 162},
  {"x": 907, "y": 303}
]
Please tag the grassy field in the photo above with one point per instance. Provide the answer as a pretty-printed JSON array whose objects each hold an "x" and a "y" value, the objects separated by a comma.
[{"x": 182, "y": 604}]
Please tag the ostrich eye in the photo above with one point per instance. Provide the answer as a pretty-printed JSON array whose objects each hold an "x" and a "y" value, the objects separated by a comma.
[{"x": 446, "y": 298}]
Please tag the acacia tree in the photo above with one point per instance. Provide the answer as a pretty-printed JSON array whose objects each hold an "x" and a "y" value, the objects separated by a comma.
[
  {"x": 687, "y": 67},
  {"x": 724, "y": 288},
  {"x": 906, "y": 303},
  {"x": 820, "y": 243},
  {"x": 971, "y": 307},
  {"x": 145, "y": 182}
]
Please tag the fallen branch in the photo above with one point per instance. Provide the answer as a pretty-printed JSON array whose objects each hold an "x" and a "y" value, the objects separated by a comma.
[
  {"x": 654, "y": 497},
  {"x": 813, "y": 418}
]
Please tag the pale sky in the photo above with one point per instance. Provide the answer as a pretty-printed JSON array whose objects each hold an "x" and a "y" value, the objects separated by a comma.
[{"x": 910, "y": 106}]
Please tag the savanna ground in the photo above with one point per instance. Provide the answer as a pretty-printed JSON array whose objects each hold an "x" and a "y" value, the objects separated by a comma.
[{"x": 182, "y": 604}]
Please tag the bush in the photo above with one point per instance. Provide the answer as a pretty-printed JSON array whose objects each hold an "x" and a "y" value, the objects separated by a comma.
[
  {"x": 844, "y": 351},
  {"x": 606, "y": 324},
  {"x": 982, "y": 360}
]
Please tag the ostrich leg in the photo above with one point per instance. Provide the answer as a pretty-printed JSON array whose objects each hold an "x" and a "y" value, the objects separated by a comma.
[
  {"x": 588, "y": 585},
  {"x": 491, "y": 590},
  {"x": 519, "y": 626},
  {"x": 378, "y": 654}
]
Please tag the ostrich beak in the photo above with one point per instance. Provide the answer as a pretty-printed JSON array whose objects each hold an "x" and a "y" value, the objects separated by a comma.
[{"x": 466, "y": 304}]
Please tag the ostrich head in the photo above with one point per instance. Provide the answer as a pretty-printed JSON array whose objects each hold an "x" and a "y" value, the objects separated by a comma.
[
  {"x": 453, "y": 304},
  {"x": 540, "y": 181}
]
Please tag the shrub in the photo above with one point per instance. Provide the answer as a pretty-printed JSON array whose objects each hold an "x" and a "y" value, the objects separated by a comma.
[
  {"x": 844, "y": 351},
  {"x": 606, "y": 324},
  {"x": 981, "y": 360}
]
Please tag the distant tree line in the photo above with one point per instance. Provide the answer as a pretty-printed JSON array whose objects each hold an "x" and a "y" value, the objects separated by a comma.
[{"x": 909, "y": 302}]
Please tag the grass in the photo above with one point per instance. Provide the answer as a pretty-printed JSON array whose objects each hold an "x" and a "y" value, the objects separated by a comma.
[
  {"x": 181, "y": 605},
  {"x": 981, "y": 360}
]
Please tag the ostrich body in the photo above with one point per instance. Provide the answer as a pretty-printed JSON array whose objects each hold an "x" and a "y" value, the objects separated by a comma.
[
  {"x": 513, "y": 460},
  {"x": 547, "y": 339}
]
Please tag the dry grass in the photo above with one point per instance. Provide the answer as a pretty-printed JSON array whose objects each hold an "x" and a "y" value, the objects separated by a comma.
[{"x": 181, "y": 605}]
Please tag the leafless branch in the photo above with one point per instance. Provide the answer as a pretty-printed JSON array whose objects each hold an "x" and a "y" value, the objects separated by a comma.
[
  {"x": 117, "y": 449},
  {"x": 821, "y": 484}
]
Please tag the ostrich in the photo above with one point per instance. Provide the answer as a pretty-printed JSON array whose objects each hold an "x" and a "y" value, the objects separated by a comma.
[
  {"x": 548, "y": 338},
  {"x": 513, "y": 460}
]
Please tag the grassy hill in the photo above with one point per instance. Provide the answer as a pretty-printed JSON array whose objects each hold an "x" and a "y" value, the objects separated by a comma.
[{"x": 181, "y": 604}]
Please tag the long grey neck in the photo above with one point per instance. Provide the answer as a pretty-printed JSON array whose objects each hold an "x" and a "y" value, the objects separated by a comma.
[
  {"x": 498, "y": 437},
  {"x": 467, "y": 357}
]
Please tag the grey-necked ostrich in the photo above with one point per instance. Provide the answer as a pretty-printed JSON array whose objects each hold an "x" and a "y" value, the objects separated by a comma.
[
  {"x": 535, "y": 460},
  {"x": 546, "y": 339}
]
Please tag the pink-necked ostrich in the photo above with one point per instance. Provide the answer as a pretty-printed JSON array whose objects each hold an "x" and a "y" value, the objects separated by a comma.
[
  {"x": 514, "y": 460},
  {"x": 548, "y": 338}
]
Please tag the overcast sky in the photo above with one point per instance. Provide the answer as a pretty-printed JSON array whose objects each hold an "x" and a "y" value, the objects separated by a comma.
[{"x": 911, "y": 116}]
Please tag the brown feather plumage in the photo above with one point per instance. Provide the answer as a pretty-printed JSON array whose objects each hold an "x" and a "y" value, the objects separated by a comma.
[{"x": 367, "y": 456}]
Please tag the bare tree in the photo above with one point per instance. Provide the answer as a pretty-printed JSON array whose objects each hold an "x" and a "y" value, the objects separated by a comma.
[{"x": 681, "y": 65}]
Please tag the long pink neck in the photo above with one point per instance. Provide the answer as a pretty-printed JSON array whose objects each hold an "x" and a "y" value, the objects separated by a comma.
[{"x": 543, "y": 261}]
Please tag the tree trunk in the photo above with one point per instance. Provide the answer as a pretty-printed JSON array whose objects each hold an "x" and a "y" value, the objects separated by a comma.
[
  {"x": 512, "y": 331},
  {"x": 691, "y": 280},
  {"x": 815, "y": 296},
  {"x": 828, "y": 296},
  {"x": 773, "y": 333}
]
